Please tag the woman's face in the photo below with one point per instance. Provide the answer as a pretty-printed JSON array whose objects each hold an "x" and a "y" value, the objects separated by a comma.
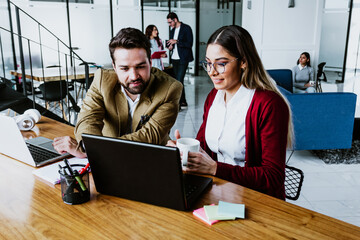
[
  {"x": 229, "y": 80},
  {"x": 154, "y": 32},
  {"x": 303, "y": 60}
]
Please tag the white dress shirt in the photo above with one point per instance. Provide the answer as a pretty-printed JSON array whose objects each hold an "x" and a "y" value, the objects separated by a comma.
[
  {"x": 175, "y": 53},
  {"x": 225, "y": 127},
  {"x": 132, "y": 105}
]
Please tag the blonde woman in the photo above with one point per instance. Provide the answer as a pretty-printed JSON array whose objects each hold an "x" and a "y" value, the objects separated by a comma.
[{"x": 247, "y": 122}]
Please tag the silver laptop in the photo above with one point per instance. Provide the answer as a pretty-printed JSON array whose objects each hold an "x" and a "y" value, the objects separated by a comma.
[{"x": 35, "y": 152}]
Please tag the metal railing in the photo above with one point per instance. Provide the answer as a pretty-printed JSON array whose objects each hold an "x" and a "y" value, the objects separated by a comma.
[{"x": 65, "y": 55}]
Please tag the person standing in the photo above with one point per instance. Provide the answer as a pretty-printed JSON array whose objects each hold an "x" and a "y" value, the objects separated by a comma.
[
  {"x": 180, "y": 43},
  {"x": 152, "y": 34}
]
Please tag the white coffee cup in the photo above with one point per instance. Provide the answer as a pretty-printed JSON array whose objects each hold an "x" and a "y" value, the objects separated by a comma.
[{"x": 187, "y": 145}]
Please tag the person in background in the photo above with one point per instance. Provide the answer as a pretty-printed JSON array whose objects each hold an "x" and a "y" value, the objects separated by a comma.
[
  {"x": 246, "y": 123},
  {"x": 303, "y": 75},
  {"x": 180, "y": 43},
  {"x": 132, "y": 101},
  {"x": 152, "y": 34}
]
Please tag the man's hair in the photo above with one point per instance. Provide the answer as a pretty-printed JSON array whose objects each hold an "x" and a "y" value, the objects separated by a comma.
[
  {"x": 129, "y": 38},
  {"x": 172, "y": 16}
]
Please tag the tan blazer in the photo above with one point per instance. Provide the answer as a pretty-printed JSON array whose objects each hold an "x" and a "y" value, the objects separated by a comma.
[{"x": 105, "y": 108}]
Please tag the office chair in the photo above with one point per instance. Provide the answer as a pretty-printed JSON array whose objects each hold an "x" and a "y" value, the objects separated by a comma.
[
  {"x": 54, "y": 91},
  {"x": 82, "y": 82},
  {"x": 282, "y": 77},
  {"x": 320, "y": 73},
  {"x": 294, "y": 178}
]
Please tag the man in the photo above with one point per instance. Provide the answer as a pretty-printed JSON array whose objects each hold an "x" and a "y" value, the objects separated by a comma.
[
  {"x": 181, "y": 41},
  {"x": 132, "y": 101}
]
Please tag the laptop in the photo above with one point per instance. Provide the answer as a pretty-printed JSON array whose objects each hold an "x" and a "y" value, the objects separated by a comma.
[
  {"x": 142, "y": 172},
  {"x": 35, "y": 152}
]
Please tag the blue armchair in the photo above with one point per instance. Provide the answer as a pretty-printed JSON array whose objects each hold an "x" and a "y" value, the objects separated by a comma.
[
  {"x": 322, "y": 120},
  {"x": 283, "y": 78}
]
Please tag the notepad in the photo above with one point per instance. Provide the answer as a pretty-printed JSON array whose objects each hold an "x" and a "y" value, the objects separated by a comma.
[
  {"x": 200, "y": 213},
  {"x": 50, "y": 172},
  {"x": 211, "y": 212},
  {"x": 157, "y": 54},
  {"x": 233, "y": 209}
]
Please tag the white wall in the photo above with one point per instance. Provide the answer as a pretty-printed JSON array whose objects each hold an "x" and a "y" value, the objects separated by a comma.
[{"x": 281, "y": 33}]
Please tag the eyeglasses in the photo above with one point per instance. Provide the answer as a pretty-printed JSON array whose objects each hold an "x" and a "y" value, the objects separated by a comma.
[
  {"x": 218, "y": 66},
  {"x": 170, "y": 21}
]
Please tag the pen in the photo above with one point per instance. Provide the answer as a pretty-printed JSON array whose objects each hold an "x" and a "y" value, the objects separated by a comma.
[
  {"x": 68, "y": 166},
  {"x": 79, "y": 180},
  {"x": 84, "y": 168}
]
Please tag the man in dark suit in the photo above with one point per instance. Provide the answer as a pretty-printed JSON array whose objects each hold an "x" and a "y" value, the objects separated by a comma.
[{"x": 180, "y": 43}]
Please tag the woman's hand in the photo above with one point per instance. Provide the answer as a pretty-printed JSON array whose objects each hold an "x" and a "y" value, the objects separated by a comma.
[
  {"x": 163, "y": 55},
  {"x": 172, "y": 143},
  {"x": 68, "y": 145},
  {"x": 201, "y": 162}
]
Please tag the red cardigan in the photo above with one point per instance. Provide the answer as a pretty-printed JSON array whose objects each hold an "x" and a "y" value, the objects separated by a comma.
[{"x": 266, "y": 137}]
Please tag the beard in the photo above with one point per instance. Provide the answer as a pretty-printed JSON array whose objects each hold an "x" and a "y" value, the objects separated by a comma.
[{"x": 136, "y": 89}]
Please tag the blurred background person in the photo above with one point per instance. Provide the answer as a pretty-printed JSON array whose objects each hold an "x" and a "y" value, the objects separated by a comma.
[
  {"x": 303, "y": 75},
  {"x": 152, "y": 34}
]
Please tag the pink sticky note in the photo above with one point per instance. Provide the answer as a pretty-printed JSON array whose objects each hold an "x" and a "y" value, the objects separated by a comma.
[{"x": 200, "y": 213}]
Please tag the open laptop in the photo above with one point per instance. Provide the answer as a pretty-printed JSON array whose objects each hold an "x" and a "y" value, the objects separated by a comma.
[
  {"x": 35, "y": 152},
  {"x": 142, "y": 172}
]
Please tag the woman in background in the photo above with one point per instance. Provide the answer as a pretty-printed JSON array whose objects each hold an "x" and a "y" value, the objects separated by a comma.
[
  {"x": 247, "y": 121},
  {"x": 152, "y": 34},
  {"x": 303, "y": 75}
]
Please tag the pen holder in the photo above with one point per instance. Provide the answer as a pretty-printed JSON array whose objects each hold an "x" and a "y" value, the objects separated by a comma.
[{"x": 75, "y": 188}]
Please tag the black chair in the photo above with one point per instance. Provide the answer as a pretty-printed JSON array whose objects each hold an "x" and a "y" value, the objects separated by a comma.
[
  {"x": 54, "y": 91},
  {"x": 294, "y": 178},
  {"x": 320, "y": 76},
  {"x": 82, "y": 82}
]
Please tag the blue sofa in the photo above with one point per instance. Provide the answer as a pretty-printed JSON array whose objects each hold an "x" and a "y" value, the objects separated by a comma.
[{"x": 322, "y": 120}]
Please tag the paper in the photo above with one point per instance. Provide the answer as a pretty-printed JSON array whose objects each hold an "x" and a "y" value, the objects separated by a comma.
[
  {"x": 200, "y": 213},
  {"x": 233, "y": 209},
  {"x": 212, "y": 213},
  {"x": 50, "y": 173}
]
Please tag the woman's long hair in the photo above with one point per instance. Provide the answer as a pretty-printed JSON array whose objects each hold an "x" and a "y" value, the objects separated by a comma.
[
  {"x": 148, "y": 32},
  {"x": 307, "y": 55},
  {"x": 239, "y": 43}
]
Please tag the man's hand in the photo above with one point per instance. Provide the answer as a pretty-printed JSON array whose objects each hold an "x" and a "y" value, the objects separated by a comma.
[{"x": 67, "y": 145}]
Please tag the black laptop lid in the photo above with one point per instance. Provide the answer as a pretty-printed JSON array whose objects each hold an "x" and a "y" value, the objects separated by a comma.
[{"x": 137, "y": 171}]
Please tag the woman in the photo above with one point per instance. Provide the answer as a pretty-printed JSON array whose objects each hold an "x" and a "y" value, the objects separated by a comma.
[
  {"x": 152, "y": 34},
  {"x": 247, "y": 122},
  {"x": 303, "y": 75}
]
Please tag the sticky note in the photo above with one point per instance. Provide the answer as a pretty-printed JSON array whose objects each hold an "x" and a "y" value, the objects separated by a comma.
[
  {"x": 234, "y": 209},
  {"x": 212, "y": 213},
  {"x": 200, "y": 213}
]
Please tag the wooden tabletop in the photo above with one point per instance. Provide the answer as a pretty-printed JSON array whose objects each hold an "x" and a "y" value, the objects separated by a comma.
[
  {"x": 33, "y": 209},
  {"x": 54, "y": 74}
]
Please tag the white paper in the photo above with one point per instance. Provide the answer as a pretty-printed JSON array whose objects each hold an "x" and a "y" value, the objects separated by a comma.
[{"x": 50, "y": 173}]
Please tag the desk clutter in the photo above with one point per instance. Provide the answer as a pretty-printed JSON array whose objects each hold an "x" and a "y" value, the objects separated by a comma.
[
  {"x": 74, "y": 183},
  {"x": 211, "y": 214}
]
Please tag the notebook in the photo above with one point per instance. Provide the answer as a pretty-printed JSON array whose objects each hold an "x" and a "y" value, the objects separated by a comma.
[
  {"x": 35, "y": 152},
  {"x": 142, "y": 172}
]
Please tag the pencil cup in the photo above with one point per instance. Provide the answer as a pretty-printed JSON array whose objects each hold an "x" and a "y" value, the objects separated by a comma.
[{"x": 74, "y": 187}]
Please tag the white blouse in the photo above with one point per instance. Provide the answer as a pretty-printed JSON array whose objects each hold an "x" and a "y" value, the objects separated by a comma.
[{"x": 225, "y": 127}]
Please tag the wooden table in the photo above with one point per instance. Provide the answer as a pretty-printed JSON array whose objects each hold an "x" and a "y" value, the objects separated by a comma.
[
  {"x": 32, "y": 209},
  {"x": 54, "y": 74}
]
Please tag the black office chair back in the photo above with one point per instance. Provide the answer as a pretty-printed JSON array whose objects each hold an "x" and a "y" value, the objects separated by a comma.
[
  {"x": 54, "y": 90},
  {"x": 320, "y": 72},
  {"x": 294, "y": 178}
]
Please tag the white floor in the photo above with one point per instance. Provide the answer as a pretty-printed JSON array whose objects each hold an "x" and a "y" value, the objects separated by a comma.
[{"x": 333, "y": 190}]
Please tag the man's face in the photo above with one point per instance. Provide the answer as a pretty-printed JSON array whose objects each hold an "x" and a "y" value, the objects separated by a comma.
[
  {"x": 132, "y": 66},
  {"x": 171, "y": 22}
]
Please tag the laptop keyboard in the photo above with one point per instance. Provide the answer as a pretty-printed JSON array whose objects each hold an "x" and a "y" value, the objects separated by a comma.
[
  {"x": 190, "y": 189},
  {"x": 39, "y": 154}
]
